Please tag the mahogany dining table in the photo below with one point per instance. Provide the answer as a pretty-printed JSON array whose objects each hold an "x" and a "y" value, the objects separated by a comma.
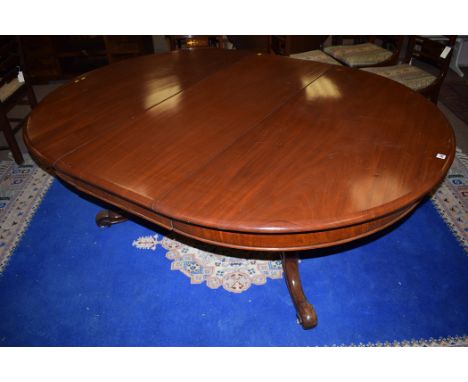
[{"x": 244, "y": 150}]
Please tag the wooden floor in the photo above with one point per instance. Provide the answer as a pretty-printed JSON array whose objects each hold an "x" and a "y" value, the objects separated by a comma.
[{"x": 453, "y": 101}]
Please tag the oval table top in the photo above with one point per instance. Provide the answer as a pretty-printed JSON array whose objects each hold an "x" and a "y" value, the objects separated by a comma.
[{"x": 245, "y": 150}]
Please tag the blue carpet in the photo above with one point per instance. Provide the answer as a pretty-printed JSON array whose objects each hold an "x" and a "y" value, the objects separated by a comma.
[{"x": 70, "y": 283}]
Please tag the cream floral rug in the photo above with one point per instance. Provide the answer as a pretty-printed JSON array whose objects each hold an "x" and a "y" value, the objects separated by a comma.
[{"x": 217, "y": 269}]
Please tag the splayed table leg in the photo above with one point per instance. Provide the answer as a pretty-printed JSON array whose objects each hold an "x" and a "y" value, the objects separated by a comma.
[
  {"x": 304, "y": 310},
  {"x": 106, "y": 218}
]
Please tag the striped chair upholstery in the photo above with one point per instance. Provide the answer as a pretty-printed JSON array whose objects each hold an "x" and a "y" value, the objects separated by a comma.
[
  {"x": 359, "y": 55},
  {"x": 411, "y": 76},
  {"x": 315, "y": 55},
  {"x": 9, "y": 89}
]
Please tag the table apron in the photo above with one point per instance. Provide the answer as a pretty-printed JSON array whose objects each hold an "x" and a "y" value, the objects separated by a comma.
[{"x": 294, "y": 241}]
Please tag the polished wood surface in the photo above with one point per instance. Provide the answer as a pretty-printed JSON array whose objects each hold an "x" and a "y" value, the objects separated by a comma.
[
  {"x": 106, "y": 218},
  {"x": 243, "y": 150},
  {"x": 305, "y": 311}
]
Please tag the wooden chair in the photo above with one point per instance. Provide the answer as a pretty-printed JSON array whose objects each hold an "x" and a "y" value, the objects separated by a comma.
[
  {"x": 435, "y": 54},
  {"x": 14, "y": 88},
  {"x": 377, "y": 51}
]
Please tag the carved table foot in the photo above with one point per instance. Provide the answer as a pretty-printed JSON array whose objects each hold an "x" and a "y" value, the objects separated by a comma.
[
  {"x": 304, "y": 310},
  {"x": 106, "y": 218}
]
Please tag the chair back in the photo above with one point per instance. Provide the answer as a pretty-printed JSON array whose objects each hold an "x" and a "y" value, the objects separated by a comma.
[
  {"x": 10, "y": 58},
  {"x": 13, "y": 89},
  {"x": 433, "y": 52},
  {"x": 389, "y": 42}
]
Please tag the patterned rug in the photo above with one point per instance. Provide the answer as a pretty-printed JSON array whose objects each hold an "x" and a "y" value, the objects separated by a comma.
[
  {"x": 451, "y": 198},
  {"x": 22, "y": 188},
  {"x": 77, "y": 285},
  {"x": 215, "y": 266}
]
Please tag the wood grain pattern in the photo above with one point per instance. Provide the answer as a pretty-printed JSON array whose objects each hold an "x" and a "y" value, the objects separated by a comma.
[{"x": 250, "y": 151}]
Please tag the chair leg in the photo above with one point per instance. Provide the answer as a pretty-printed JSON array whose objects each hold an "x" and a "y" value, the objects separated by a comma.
[
  {"x": 31, "y": 97},
  {"x": 10, "y": 138},
  {"x": 434, "y": 96}
]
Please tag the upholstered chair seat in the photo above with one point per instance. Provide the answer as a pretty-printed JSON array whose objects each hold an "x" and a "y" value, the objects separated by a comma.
[
  {"x": 8, "y": 89},
  {"x": 411, "y": 76},
  {"x": 359, "y": 55},
  {"x": 315, "y": 55}
]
